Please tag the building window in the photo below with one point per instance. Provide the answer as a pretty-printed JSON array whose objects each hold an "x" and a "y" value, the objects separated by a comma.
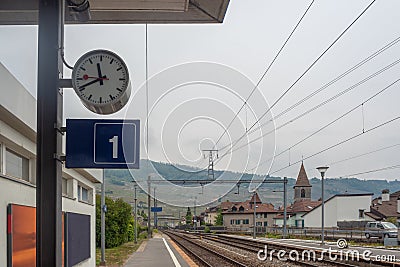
[
  {"x": 265, "y": 224},
  {"x": 246, "y": 221},
  {"x": 241, "y": 209},
  {"x": 83, "y": 194},
  {"x": 17, "y": 165},
  {"x": 265, "y": 215},
  {"x": 258, "y": 223},
  {"x": 303, "y": 193},
  {"x": 361, "y": 213},
  {"x": 64, "y": 187},
  {"x": 232, "y": 221},
  {"x": 237, "y": 222},
  {"x": 259, "y": 215}
]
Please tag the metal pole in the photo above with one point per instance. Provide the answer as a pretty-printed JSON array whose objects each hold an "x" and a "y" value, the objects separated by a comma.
[
  {"x": 155, "y": 205},
  {"x": 135, "y": 216},
  {"x": 103, "y": 218},
  {"x": 284, "y": 207},
  {"x": 49, "y": 139},
  {"x": 254, "y": 200},
  {"x": 194, "y": 217},
  {"x": 149, "y": 233},
  {"x": 322, "y": 208}
]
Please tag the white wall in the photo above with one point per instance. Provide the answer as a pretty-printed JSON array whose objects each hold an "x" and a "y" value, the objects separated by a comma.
[
  {"x": 340, "y": 208},
  {"x": 17, "y": 132}
]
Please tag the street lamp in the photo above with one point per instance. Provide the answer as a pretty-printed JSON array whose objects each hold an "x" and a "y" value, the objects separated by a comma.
[{"x": 322, "y": 171}]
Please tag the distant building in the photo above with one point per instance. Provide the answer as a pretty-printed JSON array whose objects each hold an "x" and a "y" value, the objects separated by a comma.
[
  {"x": 386, "y": 206},
  {"x": 302, "y": 202},
  {"x": 240, "y": 215},
  {"x": 210, "y": 215},
  {"x": 340, "y": 208}
]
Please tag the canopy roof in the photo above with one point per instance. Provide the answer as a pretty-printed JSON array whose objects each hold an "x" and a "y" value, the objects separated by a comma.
[{"x": 25, "y": 12}]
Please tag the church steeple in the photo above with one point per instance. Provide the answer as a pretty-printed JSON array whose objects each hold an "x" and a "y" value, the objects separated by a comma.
[{"x": 302, "y": 188}]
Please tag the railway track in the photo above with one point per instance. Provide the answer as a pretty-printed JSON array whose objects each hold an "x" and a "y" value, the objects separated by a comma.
[
  {"x": 202, "y": 254},
  {"x": 253, "y": 248}
]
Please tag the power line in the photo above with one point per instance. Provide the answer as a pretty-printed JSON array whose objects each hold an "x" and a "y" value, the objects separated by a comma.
[
  {"x": 372, "y": 171},
  {"x": 265, "y": 72},
  {"x": 308, "y": 69},
  {"x": 340, "y": 143},
  {"x": 317, "y": 106},
  {"x": 363, "y": 154},
  {"x": 332, "y": 122},
  {"x": 341, "y": 76}
]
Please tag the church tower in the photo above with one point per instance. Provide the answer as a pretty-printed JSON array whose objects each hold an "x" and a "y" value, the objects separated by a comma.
[{"x": 302, "y": 188}]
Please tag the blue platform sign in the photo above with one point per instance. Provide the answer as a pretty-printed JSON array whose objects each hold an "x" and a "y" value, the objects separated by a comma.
[
  {"x": 110, "y": 144},
  {"x": 156, "y": 209}
]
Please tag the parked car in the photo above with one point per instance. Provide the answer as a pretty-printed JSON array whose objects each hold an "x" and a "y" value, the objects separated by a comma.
[{"x": 380, "y": 229}]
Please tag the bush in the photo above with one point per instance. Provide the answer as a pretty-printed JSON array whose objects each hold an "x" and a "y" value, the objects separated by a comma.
[
  {"x": 119, "y": 222},
  {"x": 143, "y": 235},
  {"x": 207, "y": 229}
]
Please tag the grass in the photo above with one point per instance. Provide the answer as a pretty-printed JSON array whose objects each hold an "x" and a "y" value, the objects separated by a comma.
[{"x": 118, "y": 255}]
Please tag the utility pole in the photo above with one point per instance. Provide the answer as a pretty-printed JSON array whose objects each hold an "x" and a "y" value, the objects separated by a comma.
[
  {"x": 210, "y": 168},
  {"x": 155, "y": 205},
  {"x": 254, "y": 216},
  {"x": 194, "y": 216},
  {"x": 103, "y": 219},
  {"x": 284, "y": 206},
  {"x": 149, "y": 233},
  {"x": 135, "y": 216}
]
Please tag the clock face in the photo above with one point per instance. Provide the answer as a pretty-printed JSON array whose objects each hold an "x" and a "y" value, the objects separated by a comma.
[{"x": 100, "y": 78}]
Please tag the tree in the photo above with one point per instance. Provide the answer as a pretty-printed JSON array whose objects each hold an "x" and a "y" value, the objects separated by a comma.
[
  {"x": 219, "y": 220},
  {"x": 118, "y": 222},
  {"x": 189, "y": 216}
]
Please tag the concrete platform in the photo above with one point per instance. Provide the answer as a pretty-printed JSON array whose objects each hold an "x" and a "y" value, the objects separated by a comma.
[{"x": 156, "y": 252}]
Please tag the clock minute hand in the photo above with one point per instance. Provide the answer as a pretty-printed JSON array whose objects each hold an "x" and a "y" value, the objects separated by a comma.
[
  {"x": 99, "y": 73},
  {"x": 89, "y": 83}
]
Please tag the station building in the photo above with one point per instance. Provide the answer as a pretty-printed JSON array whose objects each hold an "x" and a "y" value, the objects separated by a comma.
[{"x": 18, "y": 182}]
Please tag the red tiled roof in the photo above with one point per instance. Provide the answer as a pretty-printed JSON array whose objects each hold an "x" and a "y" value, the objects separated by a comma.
[
  {"x": 247, "y": 206},
  {"x": 258, "y": 200},
  {"x": 303, "y": 205},
  {"x": 385, "y": 209},
  {"x": 302, "y": 179}
]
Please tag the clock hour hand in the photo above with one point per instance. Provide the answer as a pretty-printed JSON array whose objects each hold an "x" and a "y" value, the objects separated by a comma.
[{"x": 99, "y": 73}]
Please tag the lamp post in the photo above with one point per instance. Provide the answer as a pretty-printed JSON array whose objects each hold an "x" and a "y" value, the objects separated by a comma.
[{"x": 322, "y": 171}]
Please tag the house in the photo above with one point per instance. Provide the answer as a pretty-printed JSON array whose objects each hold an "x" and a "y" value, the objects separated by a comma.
[
  {"x": 240, "y": 215},
  {"x": 18, "y": 182},
  {"x": 340, "y": 208},
  {"x": 210, "y": 215},
  {"x": 386, "y": 206},
  {"x": 302, "y": 202}
]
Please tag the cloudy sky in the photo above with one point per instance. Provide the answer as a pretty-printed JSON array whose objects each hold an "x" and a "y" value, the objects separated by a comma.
[{"x": 200, "y": 75}]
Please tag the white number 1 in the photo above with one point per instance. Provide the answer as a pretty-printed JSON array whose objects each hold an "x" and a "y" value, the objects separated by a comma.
[{"x": 114, "y": 141}]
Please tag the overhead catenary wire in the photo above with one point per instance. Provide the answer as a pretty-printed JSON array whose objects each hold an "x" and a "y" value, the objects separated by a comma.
[
  {"x": 306, "y": 71},
  {"x": 329, "y": 124},
  {"x": 340, "y": 143},
  {"x": 341, "y": 76},
  {"x": 372, "y": 171},
  {"x": 147, "y": 96},
  {"x": 363, "y": 154},
  {"x": 265, "y": 73},
  {"x": 315, "y": 107}
]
